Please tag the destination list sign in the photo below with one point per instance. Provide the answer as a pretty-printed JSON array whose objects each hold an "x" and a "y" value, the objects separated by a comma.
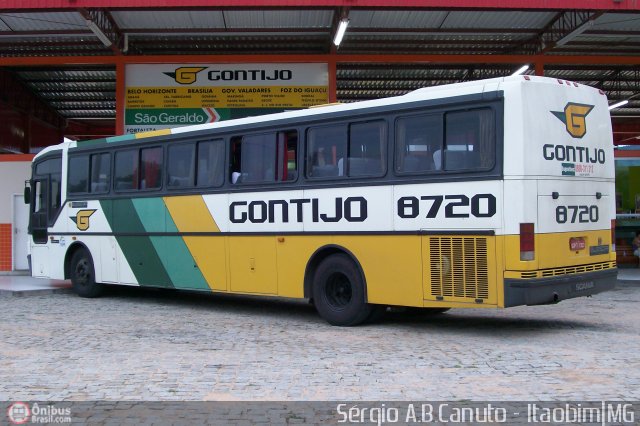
[{"x": 164, "y": 96}]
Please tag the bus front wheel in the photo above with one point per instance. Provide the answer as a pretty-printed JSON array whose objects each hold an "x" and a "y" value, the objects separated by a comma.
[
  {"x": 339, "y": 293},
  {"x": 83, "y": 277}
]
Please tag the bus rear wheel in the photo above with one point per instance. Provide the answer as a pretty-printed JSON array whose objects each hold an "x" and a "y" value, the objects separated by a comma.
[
  {"x": 83, "y": 276},
  {"x": 339, "y": 293}
]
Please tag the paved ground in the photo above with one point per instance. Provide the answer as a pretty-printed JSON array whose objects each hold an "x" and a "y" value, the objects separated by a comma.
[{"x": 161, "y": 345}]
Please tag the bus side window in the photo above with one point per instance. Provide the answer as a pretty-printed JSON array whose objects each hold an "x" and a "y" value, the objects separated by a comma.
[
  {"x": 151, "y": 168},
  {"x": 210, "y": 163},
  {"x": 181, "y": 165},
  {"x": 253, "y": 158},
  {"x": 100, "y": 173},
  {"x": 287, "y": 155},
  {"x": 126, "y": 170},
  {"x": 78, "y": 175},
  {"x": 367, "y": 148},
  {"x": 326, "y": 150},
  {"x": 418, "y": 144},
  {"x": 470, "y": 141}
]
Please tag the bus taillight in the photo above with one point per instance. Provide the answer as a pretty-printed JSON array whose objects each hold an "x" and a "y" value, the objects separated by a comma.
[
  {"x": 613, "y": 235},
  {"x": 527, "y": 241}
]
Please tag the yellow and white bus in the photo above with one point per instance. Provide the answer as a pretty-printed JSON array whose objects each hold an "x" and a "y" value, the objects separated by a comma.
[{"x": 492, "y": 193}]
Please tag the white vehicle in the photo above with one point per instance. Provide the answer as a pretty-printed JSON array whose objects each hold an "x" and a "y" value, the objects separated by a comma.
[{"x": 491, "y": 193}]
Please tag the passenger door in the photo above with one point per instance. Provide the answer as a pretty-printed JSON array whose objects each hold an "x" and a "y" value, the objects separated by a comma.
[{"x": 45, "y": 197}]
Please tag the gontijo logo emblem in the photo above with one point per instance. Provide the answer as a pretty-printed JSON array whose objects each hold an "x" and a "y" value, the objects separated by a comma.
[
  {"x": 574, "y": 118},
  {"x": 185, "y": 75},
  {"x": 82, "y": 219}
]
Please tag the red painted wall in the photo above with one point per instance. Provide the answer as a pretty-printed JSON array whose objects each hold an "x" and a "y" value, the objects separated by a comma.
[{"x": 16, "y": 129}]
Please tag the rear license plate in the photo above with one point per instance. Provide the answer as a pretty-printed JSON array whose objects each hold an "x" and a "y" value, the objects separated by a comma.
[
  {"x": 577, "y": 243},
  {"x": 596, "y": 250}
]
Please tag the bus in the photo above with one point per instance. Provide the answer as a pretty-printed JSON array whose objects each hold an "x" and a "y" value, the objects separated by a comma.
[{"x": 485, "y": 194}]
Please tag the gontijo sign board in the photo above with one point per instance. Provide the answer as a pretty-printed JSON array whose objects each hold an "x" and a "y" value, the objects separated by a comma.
[{"x": 160, "y": 96}]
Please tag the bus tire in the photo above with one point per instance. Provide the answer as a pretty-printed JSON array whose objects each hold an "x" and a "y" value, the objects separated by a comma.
[
  {"x": 339, "y": 293},
  {"x": 83, "y": 276}
]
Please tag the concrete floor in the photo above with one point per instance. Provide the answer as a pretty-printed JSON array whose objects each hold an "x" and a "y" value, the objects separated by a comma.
[{"x": 16, "y": 284}]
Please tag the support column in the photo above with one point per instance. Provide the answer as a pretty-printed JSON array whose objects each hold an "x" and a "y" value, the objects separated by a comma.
[
  {"x": 333, "y": 78},
  {"x": 540, "y": 68},
  {"x": 120, "y": 97}
]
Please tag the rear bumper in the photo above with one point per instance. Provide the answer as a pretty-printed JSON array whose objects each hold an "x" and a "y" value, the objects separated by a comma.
[{"x": 544, "y": 291}]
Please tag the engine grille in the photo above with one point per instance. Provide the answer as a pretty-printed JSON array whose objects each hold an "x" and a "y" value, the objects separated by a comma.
[{"x": 459, "y": 267}]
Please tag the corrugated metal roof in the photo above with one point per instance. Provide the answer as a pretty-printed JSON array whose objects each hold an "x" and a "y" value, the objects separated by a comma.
[
  {"x": 497, "y": 19},
  {"x": 48, "y": 21},
  {"x": 618, "y": 22},
  {"x": 75, "y": 86},
  {"x": 52, "y": 46},
  {"x": 279, "y": 19},
  {"x": 396, "y": 19},
  {"x": 67, "y": 75},
  {"x": 176, "y": 19}
]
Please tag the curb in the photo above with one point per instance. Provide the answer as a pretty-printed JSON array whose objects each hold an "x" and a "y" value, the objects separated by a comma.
[{"x": 38, "y": 292}]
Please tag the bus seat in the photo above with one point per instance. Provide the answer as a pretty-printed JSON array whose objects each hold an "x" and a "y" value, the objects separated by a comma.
[
  {"x": 99, "y": 187},
  {"x": 473, "y": 160},
  {"x": 456, "y": 160},
  {"x": 417, "y": 163},
  {"x": 180, "y": 181},
  {"x": 124, "y": 184},
  {"x": 324, "y": 171},
  {"x": 363, "y": 167}
]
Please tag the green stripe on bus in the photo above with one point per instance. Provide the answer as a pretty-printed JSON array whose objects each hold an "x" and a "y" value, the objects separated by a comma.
[
  {"x": 120, "y": 138},
  {"x": 91, "y": 142},
  {"x": 172, "y": 250},
  {"x": 138, "y": 250}
]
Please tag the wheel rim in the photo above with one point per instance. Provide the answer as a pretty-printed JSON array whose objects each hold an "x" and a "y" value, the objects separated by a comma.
[
  {"x": 338, "y": 290},
  {"x": 83, "y": 273}
]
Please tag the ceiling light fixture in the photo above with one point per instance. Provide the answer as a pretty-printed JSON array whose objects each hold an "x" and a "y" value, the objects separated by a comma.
[
  {"x": 521, "y": 70},
  {"x": 618, "y": 104},
  {"x": 98, "y": 32},
  {"x": 342, "y": 27}
]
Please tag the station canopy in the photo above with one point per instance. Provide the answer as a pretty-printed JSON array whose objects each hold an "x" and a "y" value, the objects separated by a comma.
[{"x": 66, "y": 52}]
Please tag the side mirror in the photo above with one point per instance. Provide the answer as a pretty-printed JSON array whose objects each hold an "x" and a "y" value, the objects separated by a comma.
[{"x": 27, "y": 193}]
